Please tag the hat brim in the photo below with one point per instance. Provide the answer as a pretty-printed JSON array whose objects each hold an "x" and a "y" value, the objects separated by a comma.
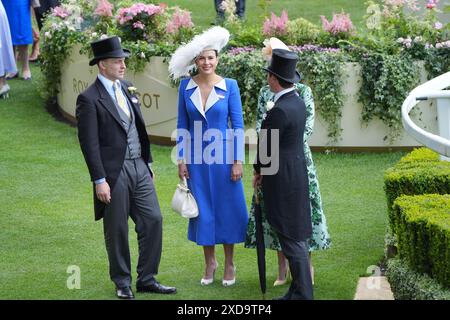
[
  {"x": 121, "y": 53},
  {"x": 295, "y": 79}
]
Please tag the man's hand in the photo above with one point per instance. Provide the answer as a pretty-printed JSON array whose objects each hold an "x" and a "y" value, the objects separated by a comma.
[
  {"x": 257, "y": 179},
  {"x": 103, "y": 192},
  {"x": 236, "y": 171}
]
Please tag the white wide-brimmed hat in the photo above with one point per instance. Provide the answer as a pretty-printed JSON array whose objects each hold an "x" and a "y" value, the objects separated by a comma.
[
  {"x": 271, "y": 44},
  {"x": 182, "y": 61}
]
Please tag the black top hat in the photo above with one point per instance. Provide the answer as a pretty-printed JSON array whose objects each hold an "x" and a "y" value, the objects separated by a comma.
[
  {"x": 108, "y": 48},
  {"x": 283, "y": 65}
]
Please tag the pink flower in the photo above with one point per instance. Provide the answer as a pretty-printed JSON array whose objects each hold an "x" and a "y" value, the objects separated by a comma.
[
  {"x": 138, "y": 25},
  {"x": 276, "y": 26},
  {"x": 127, "y": 14},
  {"x": 340, "y": 23},
  {"x": 104, "y": 9},
  {"x": 432, "y": 4},
  {"x": 180, "y": 19},
  {"x": 61, "y": 12}
]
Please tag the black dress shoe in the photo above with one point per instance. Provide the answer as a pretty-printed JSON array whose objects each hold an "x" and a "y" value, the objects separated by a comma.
[
  {"x": 124, "y": 293},
  {"x": 156, "y": 287}
]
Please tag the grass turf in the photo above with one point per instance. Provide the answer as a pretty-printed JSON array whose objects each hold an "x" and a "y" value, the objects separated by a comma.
[{"x": 47, "y": 222}]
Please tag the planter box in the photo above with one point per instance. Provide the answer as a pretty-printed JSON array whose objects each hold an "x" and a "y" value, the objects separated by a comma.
[{"x": 159, "y": 106}]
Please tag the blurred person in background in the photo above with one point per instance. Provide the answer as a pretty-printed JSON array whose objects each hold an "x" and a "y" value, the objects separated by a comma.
[
  {"x": 7, "y": 61},
  {"x": 19, "y": 18}
]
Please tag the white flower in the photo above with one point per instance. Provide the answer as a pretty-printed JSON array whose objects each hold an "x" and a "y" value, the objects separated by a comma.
[
  {"x": 269, "y": 105},
  {"x": 132, "y": 90},
  {"x": 48, "y": 35},
  {"x": 142, "y": 55},
  {"x": 103, "y": 36},
  {"x": 94, "y": 34}
]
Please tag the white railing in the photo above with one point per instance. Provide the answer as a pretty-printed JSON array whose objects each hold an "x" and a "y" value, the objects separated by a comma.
[{"x": 433, "y": 89}]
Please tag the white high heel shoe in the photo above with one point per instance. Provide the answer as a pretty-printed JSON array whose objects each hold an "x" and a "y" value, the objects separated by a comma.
[
  {"x": 205, "y": 282},
  {"x": 227, "y": 283},
  {"x": 287, "y": 277}
]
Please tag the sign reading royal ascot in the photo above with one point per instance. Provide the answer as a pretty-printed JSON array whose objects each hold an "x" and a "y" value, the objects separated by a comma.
[
  {"x": 159, "y": 103},
  {"x": 157, "y": 97}
]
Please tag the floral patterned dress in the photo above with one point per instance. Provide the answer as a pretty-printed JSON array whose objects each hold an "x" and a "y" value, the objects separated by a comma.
[{"x": 320, "y": 238}]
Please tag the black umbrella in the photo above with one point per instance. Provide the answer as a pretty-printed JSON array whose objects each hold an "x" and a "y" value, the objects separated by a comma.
[{"x": 260, "y": 246}]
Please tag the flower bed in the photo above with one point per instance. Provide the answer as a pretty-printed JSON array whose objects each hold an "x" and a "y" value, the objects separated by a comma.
[{"x": 359, "y": 80}]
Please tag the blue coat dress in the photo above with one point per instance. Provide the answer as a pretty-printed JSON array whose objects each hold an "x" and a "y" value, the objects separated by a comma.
[{"x": 209, "y": 146}]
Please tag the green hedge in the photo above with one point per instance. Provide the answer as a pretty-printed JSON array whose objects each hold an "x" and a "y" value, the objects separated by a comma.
[
  {"x": 422, "y": 225},
  {"x": 420, "y": 172},
  {"x": 409, "y": 285}
]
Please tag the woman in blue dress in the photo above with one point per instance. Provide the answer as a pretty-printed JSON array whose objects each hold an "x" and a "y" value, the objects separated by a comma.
[
  {"x": 19, "y": 17},
  {"x": 210, "y": 151},
  {"x": 7, "y": 61}
]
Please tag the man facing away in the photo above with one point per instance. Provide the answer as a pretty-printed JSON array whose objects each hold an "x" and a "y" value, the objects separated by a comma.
[
  {"x": 116, "y": 148},
  {"x": 281, "y": 170}
]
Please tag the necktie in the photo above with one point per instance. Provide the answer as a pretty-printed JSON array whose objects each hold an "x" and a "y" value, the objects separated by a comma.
[{"x": 120, "y": 99}]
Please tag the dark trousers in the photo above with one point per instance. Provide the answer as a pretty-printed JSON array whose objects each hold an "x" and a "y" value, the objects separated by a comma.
[
  {"x": 240, "y": 8},
  {"x": 133, "y": 195},
  {"x": 297, "y": 254}
]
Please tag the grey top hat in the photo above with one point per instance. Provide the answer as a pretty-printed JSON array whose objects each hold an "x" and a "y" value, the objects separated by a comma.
[
  {"x": 283, "y": 65},
  {"x": 108, "y": 48}
]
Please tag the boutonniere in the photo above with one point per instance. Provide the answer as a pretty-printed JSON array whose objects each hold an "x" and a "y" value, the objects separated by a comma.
[
  {"x": 132, "y": 90},
  {"x": 270, "y": 105}
]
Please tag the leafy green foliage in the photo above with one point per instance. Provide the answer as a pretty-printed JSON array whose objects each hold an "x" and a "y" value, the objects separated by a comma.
[
  {"x": 407, "y": 284},
  {"x": 246, "y": 68},
  {"x": 323, "y": 72},
  {"x": 386, "y": 82},
  {"x": 421, "y": 172},
  {"x": 422, "y": 225}
]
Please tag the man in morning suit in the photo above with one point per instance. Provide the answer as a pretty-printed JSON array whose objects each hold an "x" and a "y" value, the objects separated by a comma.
[
  {"x": 281, "y": 171},
  {"x": 116, "y": 148}
]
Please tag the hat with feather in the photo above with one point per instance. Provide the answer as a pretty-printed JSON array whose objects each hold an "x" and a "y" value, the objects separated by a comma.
[{"x": 182, "y": 61}]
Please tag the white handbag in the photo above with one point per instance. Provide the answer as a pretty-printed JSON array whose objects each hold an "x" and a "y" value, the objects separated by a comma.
[{"x": 183, "y": 201}]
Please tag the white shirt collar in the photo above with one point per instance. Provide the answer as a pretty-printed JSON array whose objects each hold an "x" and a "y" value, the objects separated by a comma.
[
  {"x": 108, "y": 84},
  {"x": 212, "y": 98},
  {"x": 282, "y": 92},
  {"x": 221, "y": 85}
]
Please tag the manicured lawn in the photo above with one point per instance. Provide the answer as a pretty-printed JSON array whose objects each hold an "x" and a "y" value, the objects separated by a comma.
[
  {"x": 47, "y": 222},
  {"x": 203, "y": 12}
]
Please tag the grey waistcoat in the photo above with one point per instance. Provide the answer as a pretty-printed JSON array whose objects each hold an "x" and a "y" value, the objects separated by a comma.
[{"x": 134, "y": 145}]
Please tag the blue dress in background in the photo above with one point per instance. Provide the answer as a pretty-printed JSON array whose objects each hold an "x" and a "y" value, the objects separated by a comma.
[
  {"x": 223, "y": 212},
  {"x": 19, "y": 17},
  {"x": 7, "y": 61}
]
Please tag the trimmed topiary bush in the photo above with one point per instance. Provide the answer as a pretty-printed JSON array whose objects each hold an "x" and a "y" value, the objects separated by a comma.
[
  {"x": 422, "y": 225},
  {"x": 407, "y": 284},
  {"x": 420, "y": 172}
]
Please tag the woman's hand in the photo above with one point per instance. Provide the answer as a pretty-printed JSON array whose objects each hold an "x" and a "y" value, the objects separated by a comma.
[
  {"x": 183, "y": 171},
  {"x": 236, "y": 171},
  {"x": 257, "y": 180}
]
